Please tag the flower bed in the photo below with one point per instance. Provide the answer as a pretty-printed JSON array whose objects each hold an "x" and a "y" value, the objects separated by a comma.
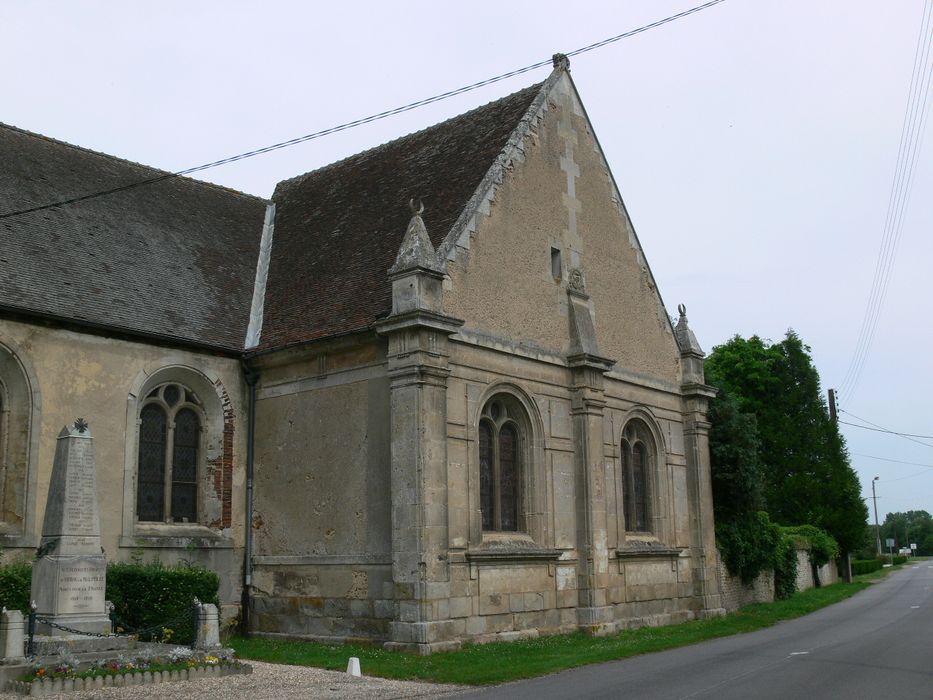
[{"x": 180, "y": 664}]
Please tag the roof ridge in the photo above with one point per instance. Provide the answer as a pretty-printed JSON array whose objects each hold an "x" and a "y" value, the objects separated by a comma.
[
  {"x": 127, "y": 161},
  {"x": 296, "y": 179}
]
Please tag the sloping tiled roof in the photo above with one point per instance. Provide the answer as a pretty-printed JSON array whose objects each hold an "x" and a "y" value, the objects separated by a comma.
[
  {"x": 176, "y": 258},
  {"x": 338, "y": 229}
]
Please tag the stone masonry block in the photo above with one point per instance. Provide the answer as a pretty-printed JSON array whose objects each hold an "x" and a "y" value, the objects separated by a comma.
[
  {"x": 567, "y": 599},
  {"x": 384, "y": 609},
  {"x": 475, "y": 625},
  {"x": 408, "y": 611},
  {"x": 461, "y": 607},
  {"x": 533, "y": 601},
  {"x": 500, "y": 623},
  {"x": 493, "y": 604},
  {"x": 361, "y": 608},
  {"x": 437, "y": 591}
]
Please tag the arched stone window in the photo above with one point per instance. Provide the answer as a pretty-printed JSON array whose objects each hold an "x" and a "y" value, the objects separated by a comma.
[
  {"x": 503, "y": 429},
  {"x": 638, "y": 462},
  {"x": 19, "y": 413},
  {"x": 168, "y": 460},
  {"x": 178, "y": 469}
]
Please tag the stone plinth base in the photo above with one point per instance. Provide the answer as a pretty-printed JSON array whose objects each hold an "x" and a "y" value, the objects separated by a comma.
[
  {"x": 79, "y": 644},
  {"x": 69, "y": 590}
]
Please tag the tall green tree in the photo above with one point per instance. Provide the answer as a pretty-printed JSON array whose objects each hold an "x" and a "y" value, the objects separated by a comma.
[
  {"x": 914, "y": 526},
  {"x": 806, "y": 478},
  {"x": 747, "y": 538}
]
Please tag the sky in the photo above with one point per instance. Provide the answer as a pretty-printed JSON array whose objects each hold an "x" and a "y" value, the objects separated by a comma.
[{"x": 754, "y": 143}]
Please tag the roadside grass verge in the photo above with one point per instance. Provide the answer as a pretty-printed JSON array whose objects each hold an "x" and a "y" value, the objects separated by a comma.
[{"x": 499, "y": 662}]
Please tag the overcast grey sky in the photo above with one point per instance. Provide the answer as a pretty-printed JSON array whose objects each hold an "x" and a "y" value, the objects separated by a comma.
[{"x": 754, "y": 142}]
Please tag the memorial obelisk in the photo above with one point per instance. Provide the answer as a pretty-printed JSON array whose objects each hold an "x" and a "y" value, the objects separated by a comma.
[{"x": 69, "y": 574}]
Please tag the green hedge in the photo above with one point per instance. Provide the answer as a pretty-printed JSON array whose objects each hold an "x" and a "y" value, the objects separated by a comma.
[
  {"x": 15, "y": 582},
  {"x": 143, "y": 595},
  {"x": 865, "y": 566}
]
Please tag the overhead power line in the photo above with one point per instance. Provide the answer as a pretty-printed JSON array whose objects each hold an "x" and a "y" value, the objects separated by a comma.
[
  {"x": 911, "y": 141},
  {"x": 884, "y": 430},
  {"x": 880, "y": 429},
  {"x": 896, "y": 461},
  {"x": 359, "y": 122}
]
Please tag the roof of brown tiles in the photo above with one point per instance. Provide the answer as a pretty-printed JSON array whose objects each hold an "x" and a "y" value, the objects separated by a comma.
[
  {"x": 174, "y": 259},
  {"x": 338, "y": 229}
]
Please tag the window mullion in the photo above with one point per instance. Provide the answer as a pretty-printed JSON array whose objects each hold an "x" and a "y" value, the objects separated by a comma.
[
  {"x": 169, "y": 464},
  {"x": 496, "y": 482}
]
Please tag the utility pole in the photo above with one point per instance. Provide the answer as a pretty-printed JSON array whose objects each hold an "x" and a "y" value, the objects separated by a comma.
[
  {"x": 832, "y": 405},
  {"x": 877, "y": 529}
]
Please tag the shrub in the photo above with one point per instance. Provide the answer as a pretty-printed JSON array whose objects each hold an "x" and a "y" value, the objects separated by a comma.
[
  {"x": 144, "y": 595},
  {"x": 785, "y": 566},
  {"x": 748, "y": 544},
  {"x": 823, "y": 548},
  {"x": 865, "y": 566},
  {"x": 899, "y": 559},
  {"x": 153, "y": 595},
  {"x": 15, "y": 583}
]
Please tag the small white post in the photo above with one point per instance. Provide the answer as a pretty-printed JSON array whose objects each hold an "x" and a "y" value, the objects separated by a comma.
[{"x": 353, "y": 667}]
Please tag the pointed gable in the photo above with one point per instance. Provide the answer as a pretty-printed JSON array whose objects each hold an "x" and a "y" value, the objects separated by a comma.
[
  {"x": 338, "y": 229},
  {"x": 557, "y": 197}
]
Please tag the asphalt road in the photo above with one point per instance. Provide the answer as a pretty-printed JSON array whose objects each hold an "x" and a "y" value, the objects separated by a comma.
[{"x": 877, "y": 644}]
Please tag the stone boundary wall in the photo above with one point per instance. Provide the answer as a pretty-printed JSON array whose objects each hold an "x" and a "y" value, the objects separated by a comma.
[
  {"x": 828, "y": 573},
  {"x": 736, "y": 594}
]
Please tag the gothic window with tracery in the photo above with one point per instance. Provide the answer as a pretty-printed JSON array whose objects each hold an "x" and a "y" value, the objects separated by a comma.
[
  {"x": 501, "y": 448},
  {"x": 170, "y": 423},
  {"x": 638, "y": 455}
]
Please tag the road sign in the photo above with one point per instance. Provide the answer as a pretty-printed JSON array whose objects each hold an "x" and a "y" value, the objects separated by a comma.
[
  {"x": 889, "y": 542},
  {"x": 913, "y": 546}
]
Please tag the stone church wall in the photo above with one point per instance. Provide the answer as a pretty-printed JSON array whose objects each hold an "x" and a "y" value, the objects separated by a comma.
[
  {"x": 73, "y": 374},
  {"x": 322, "y": 523}
]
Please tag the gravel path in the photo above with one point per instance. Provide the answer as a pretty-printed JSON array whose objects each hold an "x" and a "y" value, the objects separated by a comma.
[{"x": 268, "y": 682}]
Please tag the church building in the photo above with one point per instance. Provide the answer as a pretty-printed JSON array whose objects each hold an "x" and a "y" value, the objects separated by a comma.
[{"x": 425, "y": 395}]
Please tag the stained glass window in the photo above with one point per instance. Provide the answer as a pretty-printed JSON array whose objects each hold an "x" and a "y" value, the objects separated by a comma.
[
  {"x": 150, "y": 478},
  {"x": 637, "y": 462},
  {"x": 486, "y": 488},
  {"x": 167, "y": 465},
  {"x": 500, "y": 464}
]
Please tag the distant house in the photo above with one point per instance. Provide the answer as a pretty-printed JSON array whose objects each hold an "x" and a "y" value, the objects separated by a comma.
[{"x": 426, "y": 394}]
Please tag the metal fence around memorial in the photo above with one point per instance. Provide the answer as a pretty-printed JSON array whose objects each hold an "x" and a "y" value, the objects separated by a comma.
[{"x": 190, "y": 616}]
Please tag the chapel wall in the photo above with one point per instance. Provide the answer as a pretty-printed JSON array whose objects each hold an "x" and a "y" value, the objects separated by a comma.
[
  {"x": 322, "y": 516},
  {"x": 488, "y": 600},
  {"x": 94, "y": 377}
]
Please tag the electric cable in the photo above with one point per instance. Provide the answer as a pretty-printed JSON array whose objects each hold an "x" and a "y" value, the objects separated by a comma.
[
  {"x": 896, "y": 461},
  {"x": 912, "y": 132},
  {"x": 359, "y": 122},
  {"x": 880, "y": 429}
]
